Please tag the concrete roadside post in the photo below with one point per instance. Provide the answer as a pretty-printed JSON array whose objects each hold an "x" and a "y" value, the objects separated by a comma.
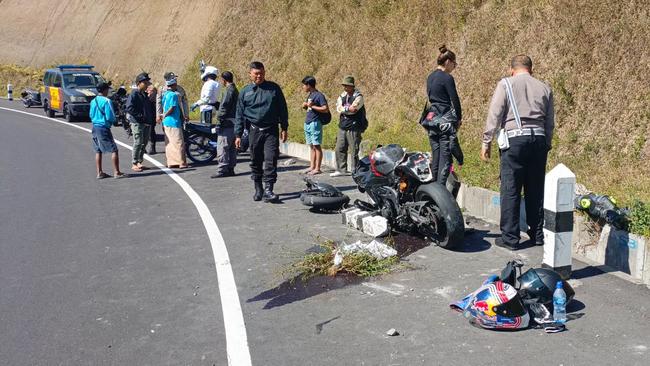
[
  {"x": 10, "y": 92},
  {"x": 558, "y": 219}
]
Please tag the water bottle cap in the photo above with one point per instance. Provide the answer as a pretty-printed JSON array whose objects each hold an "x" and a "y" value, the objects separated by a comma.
[{"x": 558, "y": 284}]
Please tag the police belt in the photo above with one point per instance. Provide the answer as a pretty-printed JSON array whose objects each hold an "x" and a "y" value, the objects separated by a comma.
[{"x": 530, "y": 131}]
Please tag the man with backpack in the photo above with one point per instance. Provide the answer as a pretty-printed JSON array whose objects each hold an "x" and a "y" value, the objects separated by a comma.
[
  {"x": 318, "y": 114},
  {"x": 352, "y": 124}
]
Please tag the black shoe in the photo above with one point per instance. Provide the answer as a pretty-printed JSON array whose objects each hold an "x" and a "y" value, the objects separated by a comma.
[
  {"x": 269, "y": 196},
  {"x": 219, "y": 175},
  {"x": 259, "y": 191},
  {"x": 500, "y": 243},
  {"x": 533, "y": 238},
  {"x": 231, "y": 172}
]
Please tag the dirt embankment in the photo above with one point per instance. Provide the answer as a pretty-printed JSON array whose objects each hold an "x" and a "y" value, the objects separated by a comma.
[{"x": 118, "y": 36}]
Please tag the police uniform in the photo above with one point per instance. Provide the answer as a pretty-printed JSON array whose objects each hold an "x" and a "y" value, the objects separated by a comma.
[
  {"x": 265, "y": 108},
  {"x": 523, "y": 164}
]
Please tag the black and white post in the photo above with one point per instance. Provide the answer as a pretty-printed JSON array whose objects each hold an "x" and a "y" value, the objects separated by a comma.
[
  {"x": 10, "y": 92},
  {"x": 559, "y": 187}
]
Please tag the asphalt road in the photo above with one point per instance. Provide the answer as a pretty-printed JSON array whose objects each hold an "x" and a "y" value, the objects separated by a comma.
[{"x": 121, "y": 272}]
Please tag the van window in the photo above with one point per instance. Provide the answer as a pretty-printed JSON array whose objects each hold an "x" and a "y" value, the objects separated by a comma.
[
  {"x": 47, "y": 79},
  {"x": 56, "y": 80}
]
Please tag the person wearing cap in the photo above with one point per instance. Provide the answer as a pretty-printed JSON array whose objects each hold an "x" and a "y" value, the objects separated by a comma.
[
  {"x": 523, "y": 107},
  {"x": 173, "y": 127},
  {"x": 317, "y": 108},
  {"x": 226, "y": 151},
  {"x": 136, "y": 113},
  {"x": 184, "y": 108},
  {"x": 103, "y": 118},
  {"x": 209, "y": 92},
  {"x": 261, "y": 103},
  {"x": 352, "y": 124}
]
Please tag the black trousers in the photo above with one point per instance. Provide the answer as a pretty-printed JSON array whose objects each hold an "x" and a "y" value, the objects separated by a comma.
[
  {"x": 265, "y": 150},
  {"x": 440, "y": 156},
  {"x": 523, "y": 165}
]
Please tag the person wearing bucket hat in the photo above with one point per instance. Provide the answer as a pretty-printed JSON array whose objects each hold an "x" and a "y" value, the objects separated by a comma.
[
  {"x": 136, "y": 111},
  {"x": 173, "y": 126},
  {"x": 209, "y": 92},
  {"x": 352, "y": 124},
  {"x": 184, "y": 105}
]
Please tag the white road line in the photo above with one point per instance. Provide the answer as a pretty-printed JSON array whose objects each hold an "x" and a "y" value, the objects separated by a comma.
[{"x": 233, "y": 318}]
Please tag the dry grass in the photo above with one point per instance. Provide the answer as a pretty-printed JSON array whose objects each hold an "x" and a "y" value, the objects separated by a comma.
[
  {"x": 20, "y": 77},
  {"x": 593, "y": 53}
]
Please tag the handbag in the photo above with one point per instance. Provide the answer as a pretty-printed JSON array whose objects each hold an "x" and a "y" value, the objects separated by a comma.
[
  {"x": 502, "y": 138},
  {"x": 438, "y": 123}
]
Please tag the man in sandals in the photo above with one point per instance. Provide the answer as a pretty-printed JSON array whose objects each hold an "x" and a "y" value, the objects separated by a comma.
[
  {"x": 103, "y": 117},
  {"x": 316, "y": 106}
]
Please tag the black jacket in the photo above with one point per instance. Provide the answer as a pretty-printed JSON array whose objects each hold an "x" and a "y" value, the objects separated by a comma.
[
  {"x": 441, "y": 90},
  {"x": 261, "y": 105},
  {"x": 136, "y": 105},
  {"x": 228, "y": 106}
]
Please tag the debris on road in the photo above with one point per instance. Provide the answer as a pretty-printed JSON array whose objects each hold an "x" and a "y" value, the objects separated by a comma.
[
  {"x": 365, "y": 260},
  {"x": 392, "y": 332},
  {"x": 289, "y": 162}
]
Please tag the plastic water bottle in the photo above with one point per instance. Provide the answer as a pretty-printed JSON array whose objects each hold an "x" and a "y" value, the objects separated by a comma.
[{"x": 559, "y": 304}]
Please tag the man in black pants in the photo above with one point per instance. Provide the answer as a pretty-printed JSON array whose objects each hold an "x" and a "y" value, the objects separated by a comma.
[
  {"x": 261, "y": 103},
  {"x": 523, "y": 107}
]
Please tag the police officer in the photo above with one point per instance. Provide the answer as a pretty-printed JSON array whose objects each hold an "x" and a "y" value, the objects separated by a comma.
[
  {"x": 523, "y": 107},
  {"x": 261, "y": 103}
]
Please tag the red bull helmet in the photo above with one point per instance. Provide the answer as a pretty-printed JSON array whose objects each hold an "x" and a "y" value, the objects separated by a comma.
[{"x": 495, "y": 305}]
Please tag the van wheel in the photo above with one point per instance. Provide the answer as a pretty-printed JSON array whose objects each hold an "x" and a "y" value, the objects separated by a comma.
[
  {"x": 48, "y": 111},
  {"x": 67, "y": 114}
]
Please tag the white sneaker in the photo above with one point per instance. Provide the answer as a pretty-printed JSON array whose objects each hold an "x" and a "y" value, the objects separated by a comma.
[{"x": 337, "y": 174}]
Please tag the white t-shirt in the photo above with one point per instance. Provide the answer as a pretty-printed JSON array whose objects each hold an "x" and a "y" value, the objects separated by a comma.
[{"x": 209, "y": 94}]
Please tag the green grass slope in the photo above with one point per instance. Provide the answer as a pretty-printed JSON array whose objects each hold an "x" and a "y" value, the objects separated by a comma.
[{"x": 593, "y": 53}]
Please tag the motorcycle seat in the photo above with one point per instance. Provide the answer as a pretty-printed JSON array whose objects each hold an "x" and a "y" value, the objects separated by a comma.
[{"x": 201, "y": 128}]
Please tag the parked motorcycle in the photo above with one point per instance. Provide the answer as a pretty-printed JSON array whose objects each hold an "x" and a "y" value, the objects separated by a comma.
[
  {"x": 30, "y": 97},
  {"x": 402, "y": 190},
  {"x": 119, "y": 107},
  {"x": 200, "y": 142}
]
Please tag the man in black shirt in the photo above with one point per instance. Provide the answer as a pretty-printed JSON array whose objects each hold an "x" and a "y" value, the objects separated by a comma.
[
  {"x": 226, "y": 151},
  {"x": 136, "y": 114},
  {"x": 261, "y": 103}
]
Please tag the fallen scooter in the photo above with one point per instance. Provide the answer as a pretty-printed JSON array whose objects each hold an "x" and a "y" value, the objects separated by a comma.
[{"x": 30, "y": 97}]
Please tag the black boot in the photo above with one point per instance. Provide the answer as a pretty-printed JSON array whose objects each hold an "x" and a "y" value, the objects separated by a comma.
[
  {"x": 259, "y": 191},
  {"x": 269, "y": 196},
  {"x": 152, "y": 149}
]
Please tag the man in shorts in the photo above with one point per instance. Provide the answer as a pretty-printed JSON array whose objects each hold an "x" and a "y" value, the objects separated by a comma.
[
  {"x": 103, "y": 117},
  {"x": 316, "y": 106}
]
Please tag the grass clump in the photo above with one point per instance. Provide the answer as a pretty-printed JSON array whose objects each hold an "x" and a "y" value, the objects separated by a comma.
[
  {"x": 321, "y": 263},
  {"x": 640, "y": 218}
]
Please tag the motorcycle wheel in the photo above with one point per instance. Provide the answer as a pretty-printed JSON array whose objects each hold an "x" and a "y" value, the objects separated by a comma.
[
  {"x": 198, "y": 149},
  {"x": 447, "y": 227},
  {"x": 317, "y": 200}
]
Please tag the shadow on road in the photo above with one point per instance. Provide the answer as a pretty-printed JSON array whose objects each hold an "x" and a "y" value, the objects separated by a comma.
[
  {"x": 295, "y": 289},
  {"x": 589, "y": 271}
]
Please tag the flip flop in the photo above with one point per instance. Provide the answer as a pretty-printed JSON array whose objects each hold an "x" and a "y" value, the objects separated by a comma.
[
  {"x": 120, "y": 175},
  {"x": 306, "y": 171},
  {"x": 315, "y": 172},
  {"x": 136, "y": 169},
  {"x": 102, "y": 175},
  {"x": 183, "y": 166}
]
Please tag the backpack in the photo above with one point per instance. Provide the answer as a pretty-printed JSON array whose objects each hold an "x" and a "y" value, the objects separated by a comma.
[{"x": 324, "y": 118}]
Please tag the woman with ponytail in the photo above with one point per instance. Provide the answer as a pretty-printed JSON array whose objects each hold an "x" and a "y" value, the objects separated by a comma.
[{"x": 444, "y": 101}]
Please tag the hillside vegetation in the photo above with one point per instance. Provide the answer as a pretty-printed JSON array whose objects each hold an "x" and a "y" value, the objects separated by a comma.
[{"x": 593, "y": 53}]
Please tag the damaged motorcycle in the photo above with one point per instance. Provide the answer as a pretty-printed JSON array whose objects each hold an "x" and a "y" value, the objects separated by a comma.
[{"x": 402, "y": 190}]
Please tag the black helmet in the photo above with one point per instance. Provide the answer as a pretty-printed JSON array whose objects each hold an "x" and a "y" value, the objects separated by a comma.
[{"x": 539, "y": 283}]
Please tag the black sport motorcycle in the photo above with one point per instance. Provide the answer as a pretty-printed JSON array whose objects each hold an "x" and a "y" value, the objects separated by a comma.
[{"x": 402, "y": 190}]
